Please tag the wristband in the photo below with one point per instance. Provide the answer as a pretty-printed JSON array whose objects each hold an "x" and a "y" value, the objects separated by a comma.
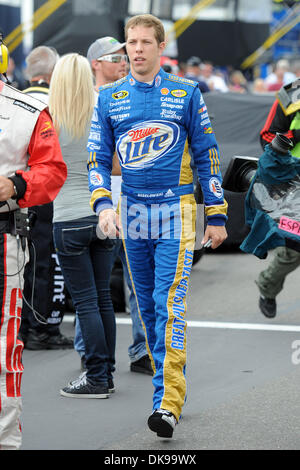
[{"x": 15, "y": 189}]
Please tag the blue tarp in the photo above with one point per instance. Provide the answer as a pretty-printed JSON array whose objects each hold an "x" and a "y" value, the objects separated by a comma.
[{"x": 272, "y": 204}]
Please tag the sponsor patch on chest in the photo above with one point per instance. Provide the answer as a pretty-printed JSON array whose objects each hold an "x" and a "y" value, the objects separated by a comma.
[
  {"x": 147, "y": 142},
  {"x": 26, "y": 106}
]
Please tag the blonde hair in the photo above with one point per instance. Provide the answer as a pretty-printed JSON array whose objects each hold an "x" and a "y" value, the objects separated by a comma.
[
  {"x": 71, "y": 95},
  {"x": 147, "y": 21}
]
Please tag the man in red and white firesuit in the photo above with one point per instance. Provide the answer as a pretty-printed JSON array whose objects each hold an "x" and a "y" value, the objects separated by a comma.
[{"x": 32, "y": 172}]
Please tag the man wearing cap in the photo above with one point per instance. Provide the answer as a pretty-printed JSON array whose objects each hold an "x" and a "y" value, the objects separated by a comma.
[
  {"x": 103, "y": 56},
  {"x": 193, "y": 72}
]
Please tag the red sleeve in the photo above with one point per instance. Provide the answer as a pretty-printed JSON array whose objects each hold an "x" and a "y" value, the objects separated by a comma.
[
  {"x": 47, "y": 170},
  {"x": 276, "y": 121}
]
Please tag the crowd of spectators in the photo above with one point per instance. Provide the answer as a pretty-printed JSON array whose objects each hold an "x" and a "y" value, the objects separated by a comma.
[
  {"x": 228, "y": 79},
  {"x": 209, "y": 76}
]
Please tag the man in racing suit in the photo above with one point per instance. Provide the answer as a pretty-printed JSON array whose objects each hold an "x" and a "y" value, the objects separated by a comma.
[
  {"x": 32, "y": 172},
  {"x": 148, "y": 116}
]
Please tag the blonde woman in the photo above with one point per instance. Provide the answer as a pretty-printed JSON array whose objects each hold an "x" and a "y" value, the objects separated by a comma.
[{"x": 85, "y": 260}]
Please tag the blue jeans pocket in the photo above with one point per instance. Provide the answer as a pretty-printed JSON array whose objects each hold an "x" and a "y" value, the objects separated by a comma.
[{"x": 75, "y": 240}]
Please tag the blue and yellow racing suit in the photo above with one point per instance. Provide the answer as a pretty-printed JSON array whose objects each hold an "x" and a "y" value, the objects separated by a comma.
[{"x": 149, "y": 126}]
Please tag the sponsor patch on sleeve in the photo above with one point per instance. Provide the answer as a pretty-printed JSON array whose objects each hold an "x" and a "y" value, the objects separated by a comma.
[
  {"x": 215, "y": 187},
  {"x": 47, "y": 129},
  {"x": 94, "y": 135},
  {"x": 96, "y": 178},
  {"x": 93, "y": 147}
]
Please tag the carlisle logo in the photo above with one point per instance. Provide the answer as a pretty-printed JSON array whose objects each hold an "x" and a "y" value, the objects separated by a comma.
[
  {"x": 144, "y": 144},
  {"x": 120, "y": 95},
  {"x": 178, "y": 93},
  {"x": 164, "y": 91},
  {"x": 215, "y": 187},
  {"x": 207, "y": 130}
]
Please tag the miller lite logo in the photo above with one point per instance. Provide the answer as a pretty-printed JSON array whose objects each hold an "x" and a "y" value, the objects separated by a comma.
[
  {"x": 96, "y": 178},
  {"x": 145, "y": 143},
  {"x": 215, "y": 187},
  {"x": 139, "y": 134}
]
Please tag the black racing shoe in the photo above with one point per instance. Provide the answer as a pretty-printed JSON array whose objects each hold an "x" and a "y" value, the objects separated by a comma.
[
  {"x": 142, "y": 366},
  {"x": 81, "y": 388},
  {"x": 162, "y": 422},
  {"x": 267, "y": 307}
]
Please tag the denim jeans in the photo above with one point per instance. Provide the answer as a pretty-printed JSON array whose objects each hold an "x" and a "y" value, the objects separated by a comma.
[
  {"x": 138, "y": 347},
  {"x": 86, "y": 263}
]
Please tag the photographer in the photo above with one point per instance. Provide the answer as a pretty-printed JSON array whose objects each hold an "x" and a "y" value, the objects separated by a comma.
[
  {"x": 286, "y": 258},
  {"x": 32, "y": 172}
]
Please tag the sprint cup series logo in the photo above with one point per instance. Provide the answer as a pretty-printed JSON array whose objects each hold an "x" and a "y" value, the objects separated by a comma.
[{"x": 145, "y": 143}]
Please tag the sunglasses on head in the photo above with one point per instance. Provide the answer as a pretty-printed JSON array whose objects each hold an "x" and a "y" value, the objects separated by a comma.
[{"x": 114, "y": 58}]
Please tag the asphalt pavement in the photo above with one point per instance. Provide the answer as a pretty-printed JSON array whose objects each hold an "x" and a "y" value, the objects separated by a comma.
[{"x": 243, "y": 376}]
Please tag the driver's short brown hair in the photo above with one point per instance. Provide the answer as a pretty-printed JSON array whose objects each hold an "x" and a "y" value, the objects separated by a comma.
[{"x": 148, "y": 21}]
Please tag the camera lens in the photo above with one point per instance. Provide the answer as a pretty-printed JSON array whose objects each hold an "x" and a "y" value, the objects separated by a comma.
[
  {"x": 281, "y": 143},
  {"x": 245, "y": 175}
]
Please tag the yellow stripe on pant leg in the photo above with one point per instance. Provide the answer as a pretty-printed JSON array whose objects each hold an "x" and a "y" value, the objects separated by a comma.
[{"x": 175, "y": 339}]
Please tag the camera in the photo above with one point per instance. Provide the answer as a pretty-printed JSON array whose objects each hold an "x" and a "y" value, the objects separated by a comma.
[{"x": 239, "y": 173}]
